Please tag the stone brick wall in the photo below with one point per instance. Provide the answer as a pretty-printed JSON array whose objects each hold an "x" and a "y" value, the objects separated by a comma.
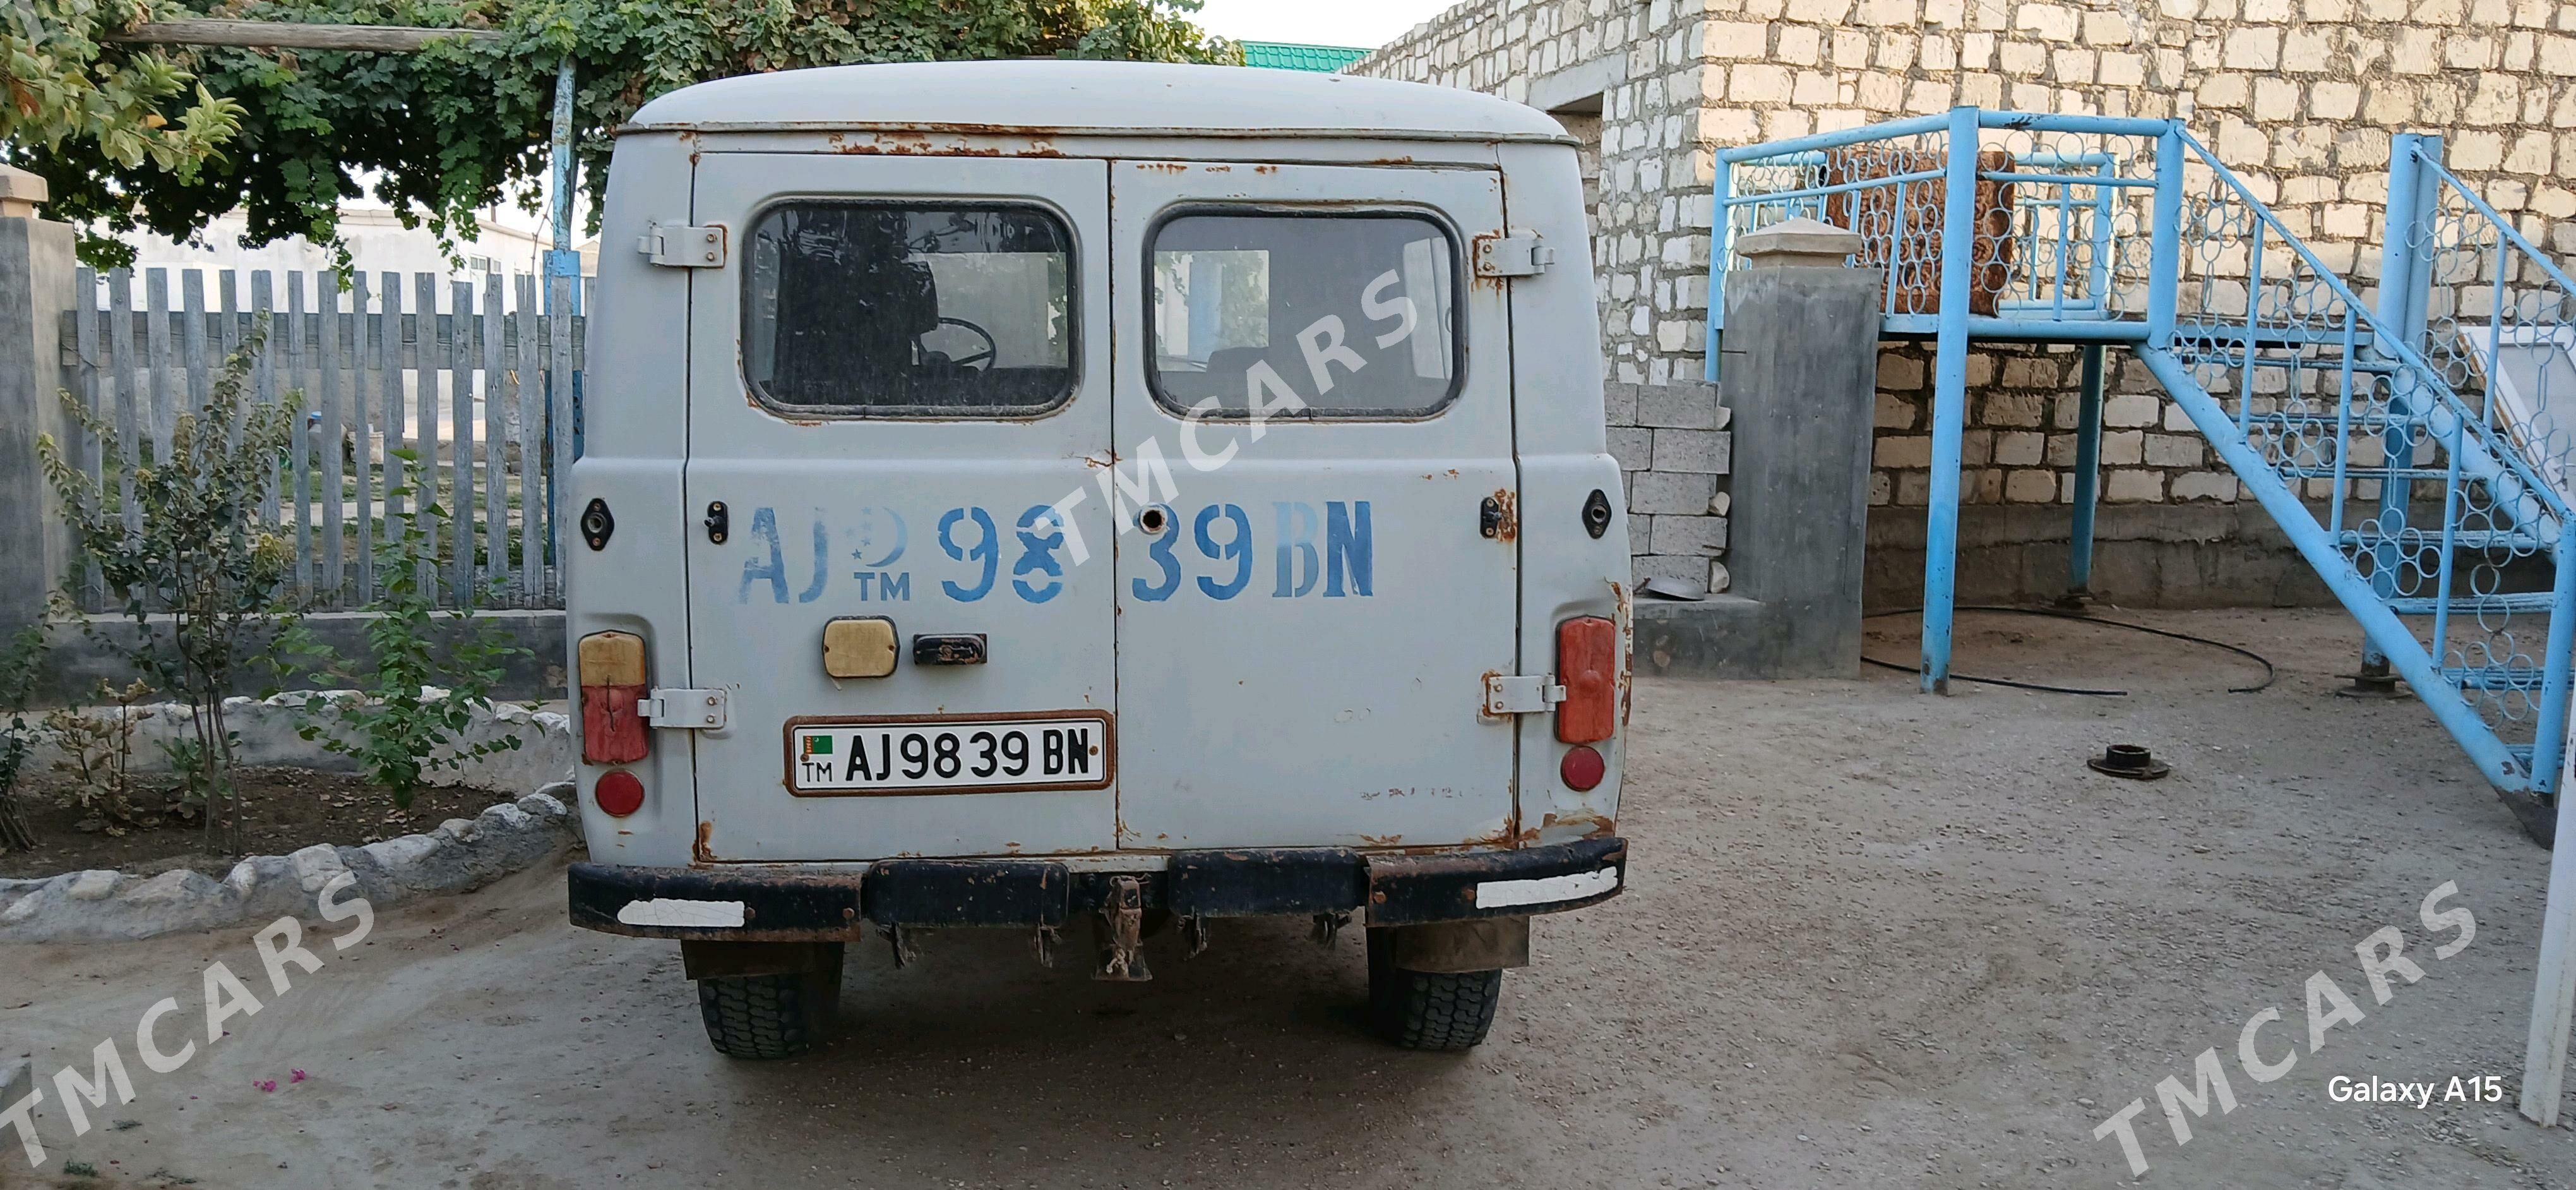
[
  {"x": 2299, "y": 96},
  {"x": 1675, "y": 454},
  {"x": 2019, "y": 447}
]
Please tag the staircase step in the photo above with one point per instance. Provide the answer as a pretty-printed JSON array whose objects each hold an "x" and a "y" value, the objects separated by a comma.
[
  {"x": 2325, "y": 421},
  {"x": 2494, "y": 677},
  {"x": 2519, "y": 601},
  {"x": 2431, "y": 473},
  {"x": 2466, "y": 539},
  {"x": 2232, "y": 334}
]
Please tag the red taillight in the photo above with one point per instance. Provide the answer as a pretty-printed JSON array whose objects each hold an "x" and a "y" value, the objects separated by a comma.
[
  {"x": 618, "y": 794},
  {"x": 1587, "y": 662},
  {"x": 1582, "y": 768},
  {"x": 612, "y": 682}
]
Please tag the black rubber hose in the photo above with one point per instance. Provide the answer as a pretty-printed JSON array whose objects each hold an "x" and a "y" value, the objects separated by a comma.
[{"x": 2268, "y": 672}]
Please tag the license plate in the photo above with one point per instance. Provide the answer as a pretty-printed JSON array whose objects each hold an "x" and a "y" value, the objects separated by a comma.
[{"x": 828, "y": 758}]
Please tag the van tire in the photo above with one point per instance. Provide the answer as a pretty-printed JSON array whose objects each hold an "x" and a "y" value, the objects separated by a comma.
[
  {"x": 769, "y": 1016},
  {"x": 1440, "y": 1011}
]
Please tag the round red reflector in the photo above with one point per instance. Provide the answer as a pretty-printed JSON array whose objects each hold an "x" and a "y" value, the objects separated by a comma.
[
  {"x": 1582, "y": 769},
  {"x": 620, "y": 794}
]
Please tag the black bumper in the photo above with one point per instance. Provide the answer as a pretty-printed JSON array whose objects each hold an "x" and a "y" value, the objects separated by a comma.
[{"x": 787, "y": 904}]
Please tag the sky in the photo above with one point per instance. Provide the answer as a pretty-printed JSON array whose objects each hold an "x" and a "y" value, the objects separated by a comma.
[{"x": 1359, "y": 23}]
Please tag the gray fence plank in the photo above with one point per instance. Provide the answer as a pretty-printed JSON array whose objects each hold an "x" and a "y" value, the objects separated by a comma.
[
  {"x": 192, "y": 342},
  {"x": 362, "y": 438},
  {"x": 425, "y": 402},
  {"x": 121, "y": 370},
  {"x": 496, "y": 453},
  {"x": 389, "y": 333},
  {"x": 529, "y": 385},
  {"x": 228, "y": 319},
  {"x": 559, "y": 418},
  {"x": 229, "y": 324},
  {"x": 299, "y": 443},
  {"x": 460, "y": 415},
  {"x": 263, "y": 316},
  {"x": 326, "y": 302},
  {"x": 156, "y": 357},
  {"x": 87, "y": 446}
]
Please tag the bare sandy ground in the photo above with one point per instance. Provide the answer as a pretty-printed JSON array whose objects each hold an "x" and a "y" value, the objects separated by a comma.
[{"x": 1873, "y": 939}]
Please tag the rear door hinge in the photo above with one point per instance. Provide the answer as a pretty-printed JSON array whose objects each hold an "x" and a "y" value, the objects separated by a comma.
[
  {"x": 684, "y": 710},
  {"x": 681, "y": 247},
  {"x": 1507, "y": 694},
  {"x": 1512, "y": 256}
]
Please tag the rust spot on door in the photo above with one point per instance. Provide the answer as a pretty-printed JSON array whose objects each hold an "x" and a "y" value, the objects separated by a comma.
[
  {"x": 1508, "y": 529},
  {"x": 1627, "y": 648},
  {"x": 699, "y": 850}
]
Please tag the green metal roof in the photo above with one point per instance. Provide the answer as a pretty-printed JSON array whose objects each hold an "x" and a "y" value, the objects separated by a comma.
[{"x": 1282, "y": 55}]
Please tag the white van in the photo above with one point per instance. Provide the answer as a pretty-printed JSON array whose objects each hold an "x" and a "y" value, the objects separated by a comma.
[{"x": 1047, "y": 494}]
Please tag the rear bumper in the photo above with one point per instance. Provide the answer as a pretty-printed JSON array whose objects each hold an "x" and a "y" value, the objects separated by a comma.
[{"x": 788, "y": 904}]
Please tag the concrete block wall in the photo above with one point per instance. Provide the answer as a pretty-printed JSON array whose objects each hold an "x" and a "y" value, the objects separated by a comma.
[{"x": 1674, "y": 453}]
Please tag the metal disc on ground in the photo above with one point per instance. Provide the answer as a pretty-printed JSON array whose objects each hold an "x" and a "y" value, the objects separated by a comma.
[{"x": 2132, "y": 761}]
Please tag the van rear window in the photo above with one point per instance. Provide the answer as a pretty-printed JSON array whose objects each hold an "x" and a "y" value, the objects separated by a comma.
[
  {"x": 909, "y": 309},
  {"x": 1321, "y": 314}
]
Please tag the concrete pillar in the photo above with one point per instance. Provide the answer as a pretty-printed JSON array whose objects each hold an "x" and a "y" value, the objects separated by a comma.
[
  {"x": 1800, "y": 375},
  {"x": 36, "y": 281}
]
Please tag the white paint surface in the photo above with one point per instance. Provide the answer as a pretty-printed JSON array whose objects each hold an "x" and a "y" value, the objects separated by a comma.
[
  {"x": 1503, "y": 894},
  {"x": 665, "y": 911}
]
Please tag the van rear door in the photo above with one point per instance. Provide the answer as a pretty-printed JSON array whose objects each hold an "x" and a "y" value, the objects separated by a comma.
[
  {"x": 896, "y": 376},
  {"x": 1309, "y": 607}
]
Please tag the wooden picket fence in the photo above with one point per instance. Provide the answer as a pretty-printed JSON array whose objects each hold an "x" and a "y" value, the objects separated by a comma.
[{"x": 478, "y": 379}]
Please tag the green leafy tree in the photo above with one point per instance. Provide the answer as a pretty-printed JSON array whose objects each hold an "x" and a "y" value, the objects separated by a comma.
[
  {"x": 198, "y": 575},
  {"x": 134, "y": 109},
  {"x": 415, "y": 699},
  {"x": 461, "y": 126}
]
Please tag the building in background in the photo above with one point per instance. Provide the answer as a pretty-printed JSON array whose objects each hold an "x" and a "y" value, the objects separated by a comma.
[
  {"x": 508, "y": 242},
  {"x": 2299, "y": 96}
]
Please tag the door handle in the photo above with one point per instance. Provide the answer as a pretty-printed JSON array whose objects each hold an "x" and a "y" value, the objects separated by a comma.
[{"x": 951, "y": 648}]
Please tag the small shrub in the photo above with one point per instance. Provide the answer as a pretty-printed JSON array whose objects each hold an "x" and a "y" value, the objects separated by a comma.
[
  {"x": 414, "y": 704},
  {"x": 200, "y": 577},
  {"x": 98, "y": 751}
]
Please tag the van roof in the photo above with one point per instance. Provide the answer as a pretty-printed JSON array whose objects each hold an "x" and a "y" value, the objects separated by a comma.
[{"x": 1081, "y": 97}]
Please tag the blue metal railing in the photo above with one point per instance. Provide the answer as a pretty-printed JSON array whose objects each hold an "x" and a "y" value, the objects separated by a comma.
[{"x": 2413, "y": 451}]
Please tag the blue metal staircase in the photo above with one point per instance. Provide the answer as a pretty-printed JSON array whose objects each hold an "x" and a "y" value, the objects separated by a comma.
[{"x": 2413, "y": 447}]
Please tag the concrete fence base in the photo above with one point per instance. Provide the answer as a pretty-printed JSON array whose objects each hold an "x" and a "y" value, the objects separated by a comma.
[
  {"x": 76, "y": 659},
  {"x": 269, "y": 735}
]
